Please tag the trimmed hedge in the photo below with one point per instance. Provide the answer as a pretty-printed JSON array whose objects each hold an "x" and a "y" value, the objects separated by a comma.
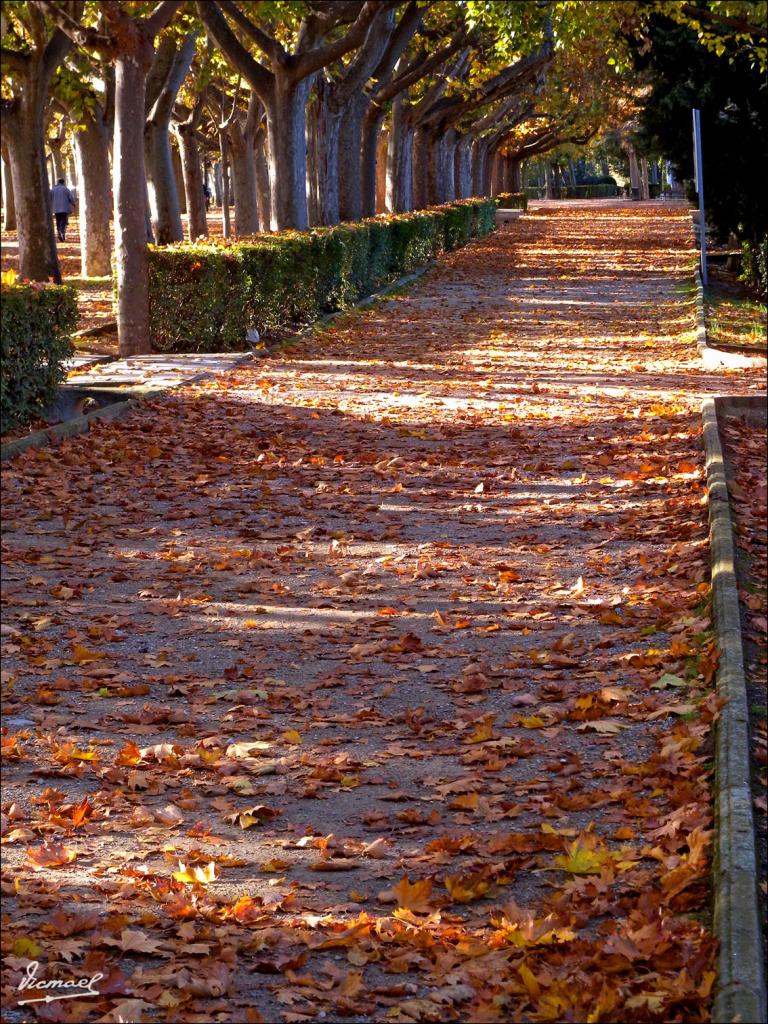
[
  {"x": 36, "y": 324},
  {"x": 589, "y": 192},
  {"x": 512, "y": 200},
  {"x": 204, "y": 296}
]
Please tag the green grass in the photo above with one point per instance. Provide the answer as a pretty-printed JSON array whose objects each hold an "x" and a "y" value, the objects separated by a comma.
[{"x": 734, "y": 321}]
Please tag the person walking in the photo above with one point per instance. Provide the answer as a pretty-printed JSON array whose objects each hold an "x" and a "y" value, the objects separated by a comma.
[{"x": 62, "y": 204}]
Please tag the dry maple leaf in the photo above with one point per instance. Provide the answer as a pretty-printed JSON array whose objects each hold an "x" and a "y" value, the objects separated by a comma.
[
  {"x": 584, "y": 856},
  {"x": 51, "y": 855},
  {"x": 465, "y": 888},
  {"x": 130, "y": 940},
  {"x": 413, "y": 896}
]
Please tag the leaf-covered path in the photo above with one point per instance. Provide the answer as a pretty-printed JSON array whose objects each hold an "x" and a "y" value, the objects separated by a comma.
[{"x": 373, "y": 681}]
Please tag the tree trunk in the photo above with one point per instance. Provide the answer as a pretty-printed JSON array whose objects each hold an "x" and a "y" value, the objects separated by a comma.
[
  {"x": 549, "y": 172},
  {"x": 400, "y": 174},
  {"x": 178, "y": 173},
  {"x": 360, "y": 128},
  {"x": 197, "y": 223},
  {"x": 286, "y": 115},
  {"x": 314, "y": 213},
  {"x": 421, "y": 155},
  {"x": 634, "y": 173},
  {"x": 243, "y": 180},
  {"x": 226, "y": 227},
  {"x": 9, "y": 206},
  {"x": 515, "y": 176},
  {"x": 94, "y": 195},
  {"x": 644, "y": 187},
  {"x": 23, "y": 133},
  {"x": 327, "y": 125},
  {"x": 218, "y": 185},
  {"x": 446, "y": 167},
  {"x": 72, "y": 174},
  {"x": 381, "y": 170},
  {"x": 463, "y": 167},
  {"x": 163, "y": 194},
  {"x": 479, "y": 168},
  {"x": 362, "y": 187},
  {"x": 58, "y": 163},
  {"x": 262, "y": 179},
  {"x": 129, "y": 195}
]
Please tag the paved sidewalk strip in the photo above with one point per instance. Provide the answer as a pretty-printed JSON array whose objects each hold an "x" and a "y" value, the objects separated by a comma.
[{"x": 375, "y": 679}]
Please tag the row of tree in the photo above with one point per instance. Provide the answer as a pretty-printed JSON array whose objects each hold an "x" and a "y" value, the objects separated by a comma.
[{"x": 293, "y": 99}]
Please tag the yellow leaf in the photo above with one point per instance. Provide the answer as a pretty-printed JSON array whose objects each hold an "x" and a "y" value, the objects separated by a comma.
[
  {"x": 195, "y": 875},
  {"x": 584, "y": 856},
  {"x": 26, "y": 947},
  {"x": 9, "y": 277},
  {"x": 532, "y": 722},
  {"x": 464, "y": 889},
  {"x": 292, "y": 736}
]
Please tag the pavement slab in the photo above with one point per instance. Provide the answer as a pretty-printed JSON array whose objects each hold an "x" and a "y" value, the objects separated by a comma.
[{"x": 374, "y": 681}]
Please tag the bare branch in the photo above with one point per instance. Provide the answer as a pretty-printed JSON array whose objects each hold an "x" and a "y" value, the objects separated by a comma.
[
  {"x": 265, "y": 42},
  {"x": 83, "y": 36},
  {"x": 160, "y": 16},
  {"x": 304, "y": 64},
  {"x": 260, "y": 78}
]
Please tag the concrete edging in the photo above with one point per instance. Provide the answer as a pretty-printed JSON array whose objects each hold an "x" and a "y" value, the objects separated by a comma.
[
  {"x": 116, "y": 411},
  {"x": 740, "y": 994}
]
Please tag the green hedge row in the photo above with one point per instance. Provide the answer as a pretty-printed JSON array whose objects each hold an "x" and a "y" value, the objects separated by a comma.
[
  {"x": 204, "y": 296},
  {"x": 36, "y": 324},
  {"x": 512, "y": 200},
  {"x": 588, "y": 192}
]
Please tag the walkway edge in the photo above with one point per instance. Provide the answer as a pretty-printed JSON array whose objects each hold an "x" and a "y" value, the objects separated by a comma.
[
  {"x": 82, "y": 424},
  {"x": 740, "y": 994}
]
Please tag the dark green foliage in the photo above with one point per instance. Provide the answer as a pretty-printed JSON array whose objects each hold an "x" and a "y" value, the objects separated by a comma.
[
  {"x": 458, "y": 226},
  {"x": 755, "y": 266},
  {"x": 515, "y": 200},
  {"x": 194, "y": 287},
  {"x": 205, "y": 296},
  {"x": 588, "y": 191},
  {"x": 36, "y": 325},
  {"x": 732, "y": 95}
]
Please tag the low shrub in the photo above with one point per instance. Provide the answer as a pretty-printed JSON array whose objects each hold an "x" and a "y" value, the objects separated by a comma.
[
  {"x": 589, "y": 191},
  {"x": 204, "y": 296},
  {"x": 36, "y": 324},
  {"x": 754, "y": 266},
  {"x": 514, "y": 200}
]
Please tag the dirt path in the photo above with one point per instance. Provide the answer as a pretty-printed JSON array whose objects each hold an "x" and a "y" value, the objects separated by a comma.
[{"x": 373, "y": 682}]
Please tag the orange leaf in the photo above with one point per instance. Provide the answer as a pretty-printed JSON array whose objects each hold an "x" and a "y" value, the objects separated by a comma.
[
  {"x": 52, "y": 855},
  {"x": 413, "y": 896}
]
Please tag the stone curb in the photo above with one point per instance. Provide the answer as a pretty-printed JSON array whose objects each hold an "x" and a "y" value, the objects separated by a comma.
[
  {"x": 116, "y": 411},
  {"x": 740, "y": 993}
]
